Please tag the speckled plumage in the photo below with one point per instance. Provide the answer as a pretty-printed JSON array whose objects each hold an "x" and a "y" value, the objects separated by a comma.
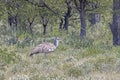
[{"x": 44, "y": 48}]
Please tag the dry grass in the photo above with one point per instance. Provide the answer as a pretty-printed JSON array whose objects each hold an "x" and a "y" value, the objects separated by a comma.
[
  {"x": 70, "y": 64},
  {"x": 92, "y": 59}
]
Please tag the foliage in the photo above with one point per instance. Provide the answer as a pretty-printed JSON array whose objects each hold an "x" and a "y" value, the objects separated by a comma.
[
  {"x": 8, "y": 56},
  {"x": 90, "y": 58},
  {"x": 74, "y": 40}
]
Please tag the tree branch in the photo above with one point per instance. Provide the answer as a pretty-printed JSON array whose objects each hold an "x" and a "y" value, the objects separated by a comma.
[
  {"x": 76, "y": 4},
  {"x": 43, "y": 4}
]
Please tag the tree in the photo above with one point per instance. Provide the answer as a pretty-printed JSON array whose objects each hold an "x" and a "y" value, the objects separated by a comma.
[
  {"x": 115, "y": 26},
  {"x": 29, "y": 14},
  {"x": 44, "y": 23},
  {"x": 94, "y": 16},
  {"x": 68, "y": 14},
  {"x": 12, "y": 9},
  {"x": 81, "y": 6}
]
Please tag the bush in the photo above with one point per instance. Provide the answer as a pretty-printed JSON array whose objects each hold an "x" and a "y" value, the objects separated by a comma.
[
  {"x": 75, "y": 72},
  {"x": 7, "y": 56},
  {"x": 74, "y": 40}
]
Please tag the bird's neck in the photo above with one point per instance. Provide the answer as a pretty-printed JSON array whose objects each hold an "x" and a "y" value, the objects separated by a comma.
[{"x": 56, "y": 43}]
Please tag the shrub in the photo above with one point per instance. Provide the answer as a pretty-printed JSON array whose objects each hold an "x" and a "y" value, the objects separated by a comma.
[
  {"x": 74, "y": 40},
  {"x": 7, "y": 56},
  {"x": 75, "y": 72}
]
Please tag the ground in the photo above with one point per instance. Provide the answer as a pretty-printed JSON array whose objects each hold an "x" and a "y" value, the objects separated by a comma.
[{"x": 68, "y": 64}]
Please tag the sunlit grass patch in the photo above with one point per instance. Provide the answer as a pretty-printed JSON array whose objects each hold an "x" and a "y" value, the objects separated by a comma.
[
  {"x": 19, "y": 77},
  {"x": 2, "y": 75},
  {"x": 8, "y": 55},
  {"x": 74, "y": 72},
  {"x": 93, "y": 51},
  {"x": 68, "y": 61},
  {"x": 105, "y": 62}
]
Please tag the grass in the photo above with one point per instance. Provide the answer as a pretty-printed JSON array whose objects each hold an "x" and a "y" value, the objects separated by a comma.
[
  {"x": 93, "y": 58},
  {"x": 90, "y": 63}
]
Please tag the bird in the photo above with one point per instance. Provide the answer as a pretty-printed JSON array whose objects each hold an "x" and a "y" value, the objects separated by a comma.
[{"x": 46, "y": 47}]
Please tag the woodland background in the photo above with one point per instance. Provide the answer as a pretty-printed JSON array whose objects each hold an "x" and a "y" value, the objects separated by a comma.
[{"x": 90, "y": 33}]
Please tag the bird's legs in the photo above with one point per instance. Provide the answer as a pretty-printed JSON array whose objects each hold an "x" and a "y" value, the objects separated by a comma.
[{"x": 45, "y": 55}]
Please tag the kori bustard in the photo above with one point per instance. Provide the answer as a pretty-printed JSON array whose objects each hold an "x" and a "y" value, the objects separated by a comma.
[{"x": 45, "y": 47}]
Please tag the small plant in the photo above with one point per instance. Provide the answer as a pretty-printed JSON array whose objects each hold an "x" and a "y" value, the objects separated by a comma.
[
  {"x": 2, "y": 76},
  {"x": 63, "y": 47},
  {"x": 24, "y": 40},
  {"x": 74, "y": 40},
  {"x": 117, "y": 66},
  {"x": 94, "y": 50},
  {"x": 8, "y": 57},
  {"x": 104, "y": 63},
  {"x": 75, "y": 72}
]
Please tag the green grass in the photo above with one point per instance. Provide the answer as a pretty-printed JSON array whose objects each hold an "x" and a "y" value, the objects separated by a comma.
[
  {"x": 62, "y": 65},
  {"x": 93, "y": 58}
]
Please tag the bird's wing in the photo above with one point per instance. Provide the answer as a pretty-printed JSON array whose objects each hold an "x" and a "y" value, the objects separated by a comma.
[
  {"x": 48, "y": 47},
  {"x": 52, "y": 46},
  {"x": 35, "y": 50},
  {"x": 44, "y": 48}
]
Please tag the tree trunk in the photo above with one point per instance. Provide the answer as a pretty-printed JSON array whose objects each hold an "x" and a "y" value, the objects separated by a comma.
[
  {"x": 44, "y": 29},
  {"x": 82, "y": 19},
  {"x": 67, "y": 15},
  {"x": 115, "y": 26},
  {"x": 51, "y": 28},
  {"x": 13, "y": 21},
  {"x": 61, "y": 24},
  {"x": 16, "y": 21},
  {"x": 94, "y": 18},
  {"x": 30, "y": 27},
  {"x": 44, "y": 23},
  {"x": 66, "y": 23},
  {"x": 30, "y": 24}
]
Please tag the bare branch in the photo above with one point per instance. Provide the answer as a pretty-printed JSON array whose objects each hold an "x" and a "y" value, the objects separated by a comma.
[{"x": 76, "y": 5}]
